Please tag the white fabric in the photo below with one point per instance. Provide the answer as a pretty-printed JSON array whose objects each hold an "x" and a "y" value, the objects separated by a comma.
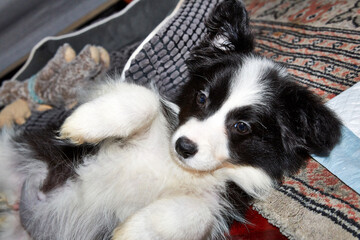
[
  {"x": 344, "y": 160},
  {"x": 347, "y": 106}
]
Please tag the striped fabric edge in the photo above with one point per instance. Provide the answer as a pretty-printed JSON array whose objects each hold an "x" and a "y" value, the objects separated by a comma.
[
  {"x": 308, "y": 27},
  {"x": 336, "y": 215},
  {"x": 327, "y": 62}
]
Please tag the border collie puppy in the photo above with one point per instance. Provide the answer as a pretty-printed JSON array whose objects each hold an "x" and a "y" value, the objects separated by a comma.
[{"x": 128, "y": 164}]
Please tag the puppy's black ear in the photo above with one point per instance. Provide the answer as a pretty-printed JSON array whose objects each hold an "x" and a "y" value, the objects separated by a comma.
[
  {"x": 307, "y": 126},
  {"x": 228, "y": 27}
]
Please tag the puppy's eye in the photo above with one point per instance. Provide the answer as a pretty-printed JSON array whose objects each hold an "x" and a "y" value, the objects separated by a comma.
[
  {"x": 201, "y": 98},
  {"x": 242, "y": 128}
]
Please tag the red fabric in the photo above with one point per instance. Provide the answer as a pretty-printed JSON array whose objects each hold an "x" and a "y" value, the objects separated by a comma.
[{"x": 258, "y": 228}]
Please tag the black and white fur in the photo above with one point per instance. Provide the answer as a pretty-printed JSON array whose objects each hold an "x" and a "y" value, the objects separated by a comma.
[{"x": 128, "y": 164}]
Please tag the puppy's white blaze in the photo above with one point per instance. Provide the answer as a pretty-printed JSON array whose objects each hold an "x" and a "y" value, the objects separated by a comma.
[
  {"x": 252, "y": 180},
  {"x": 247, "y": 88}
]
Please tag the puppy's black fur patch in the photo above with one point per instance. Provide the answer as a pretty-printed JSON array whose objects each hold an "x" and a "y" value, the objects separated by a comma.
[{"x": 61, "y": 156}]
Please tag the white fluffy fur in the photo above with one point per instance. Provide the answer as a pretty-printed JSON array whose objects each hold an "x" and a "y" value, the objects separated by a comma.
[{"x": 136, "y": 181}]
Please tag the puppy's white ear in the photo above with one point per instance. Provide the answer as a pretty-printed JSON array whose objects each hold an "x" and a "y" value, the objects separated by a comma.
[{"x": 228, "y": 27}]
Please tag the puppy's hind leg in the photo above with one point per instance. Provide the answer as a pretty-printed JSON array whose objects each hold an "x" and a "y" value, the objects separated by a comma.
[
  {"x": 178, "y": 218},
  {"x": 121, "y": 111}
]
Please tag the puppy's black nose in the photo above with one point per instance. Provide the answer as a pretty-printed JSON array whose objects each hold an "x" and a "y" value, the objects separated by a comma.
[{"x": 185, "y": 147}]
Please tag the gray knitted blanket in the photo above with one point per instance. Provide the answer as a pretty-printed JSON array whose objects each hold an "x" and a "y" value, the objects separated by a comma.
[{"x": 161, "y": 59}]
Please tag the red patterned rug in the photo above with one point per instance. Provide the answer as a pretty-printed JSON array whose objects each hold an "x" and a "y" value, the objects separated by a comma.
[{"x": 319, "y": 42}]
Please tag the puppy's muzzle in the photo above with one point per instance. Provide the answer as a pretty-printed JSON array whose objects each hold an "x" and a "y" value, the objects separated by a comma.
[{"x": 185, "y": 147}]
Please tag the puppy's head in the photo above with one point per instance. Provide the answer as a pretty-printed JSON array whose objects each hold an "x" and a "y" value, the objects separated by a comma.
[{"x": 244, "y": 111}]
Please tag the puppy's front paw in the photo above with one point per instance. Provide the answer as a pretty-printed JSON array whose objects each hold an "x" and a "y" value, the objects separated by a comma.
[
  {"x": 78, "y": 130},
  {"x": 118, "y": 234},
  {"x": 123, "y": 233},
  {"x": 69, "y": 131}
]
